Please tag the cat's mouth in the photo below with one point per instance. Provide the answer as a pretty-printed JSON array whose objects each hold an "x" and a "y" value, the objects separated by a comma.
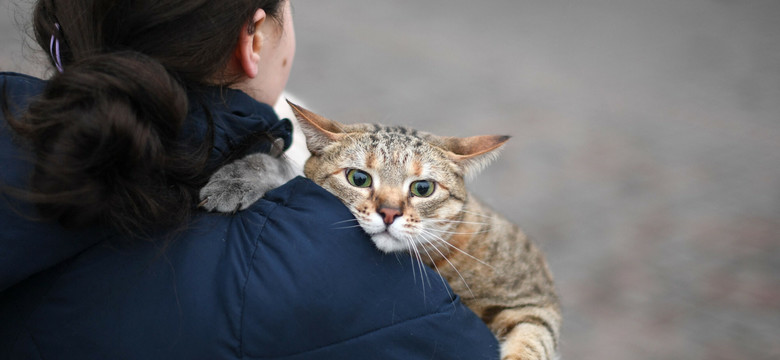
[{"x": 388, "y": 243}]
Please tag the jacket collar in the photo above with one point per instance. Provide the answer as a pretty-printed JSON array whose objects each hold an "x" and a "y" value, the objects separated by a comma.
[{"x": 240, "y": 122}]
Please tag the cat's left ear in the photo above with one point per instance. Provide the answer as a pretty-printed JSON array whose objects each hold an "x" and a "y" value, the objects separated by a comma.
[
  {"x": 474, "y": 153},
  {"x": 319, "y": 131}
]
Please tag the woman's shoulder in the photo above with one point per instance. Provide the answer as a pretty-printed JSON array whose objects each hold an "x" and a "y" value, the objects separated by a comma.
[
  {"x": 17, "y": 87},
  {"x": 14, "y": 76}
]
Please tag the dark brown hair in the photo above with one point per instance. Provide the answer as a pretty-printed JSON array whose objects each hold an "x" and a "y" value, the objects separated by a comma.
[{"x": 105, "y": 131}]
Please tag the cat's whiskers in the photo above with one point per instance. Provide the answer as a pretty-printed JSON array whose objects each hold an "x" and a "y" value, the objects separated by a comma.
[
  {"x": 343, "y": 221},
  {"x": 457, "y": 221},
  {"x": 412, "y": 249},
  {"x": 444, "y": 282},
  {"x": 409, "y": 247},
  {"x": 460, "y": 232},
  {"x": 476, "y": 214},
  {"x": 346, "y": 226},
  {"x": 441, "y": 240},
  {"x": 427, "y": 240},
  {"x": 450, "y": 224},
  {"x": 420, "y": 262}
]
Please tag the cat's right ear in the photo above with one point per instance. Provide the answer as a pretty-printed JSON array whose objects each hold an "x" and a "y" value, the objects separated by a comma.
[{"x": 319, "y": 131}]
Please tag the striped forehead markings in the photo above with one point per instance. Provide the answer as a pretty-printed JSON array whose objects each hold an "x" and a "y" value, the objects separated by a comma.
[
  {"x": 403, "y": 130},
  {"x": 405, "y": 138},
  {"x": 417, "y": 168}
]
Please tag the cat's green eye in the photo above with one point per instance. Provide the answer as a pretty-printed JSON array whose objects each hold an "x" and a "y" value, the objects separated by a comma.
[
  {"x": 358, "y": 178},
  {"x": 422, "y": 188}
]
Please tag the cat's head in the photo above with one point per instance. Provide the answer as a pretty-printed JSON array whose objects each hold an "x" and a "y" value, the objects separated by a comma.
[{"x": 405, "y": 187}]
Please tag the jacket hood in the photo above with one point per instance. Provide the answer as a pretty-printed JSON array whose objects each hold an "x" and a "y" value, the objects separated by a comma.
[
  {"x": 241, "y": 124},
  {"x": 28, "y": 246}
]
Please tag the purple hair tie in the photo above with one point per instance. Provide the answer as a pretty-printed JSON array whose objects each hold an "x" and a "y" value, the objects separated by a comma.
[{"x": 54, "y": 49}]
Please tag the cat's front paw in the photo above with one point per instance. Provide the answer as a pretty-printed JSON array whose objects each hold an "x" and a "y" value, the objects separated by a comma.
[
  {"x": 238, "y": 185},
  {"x": 229, "y": 195}
]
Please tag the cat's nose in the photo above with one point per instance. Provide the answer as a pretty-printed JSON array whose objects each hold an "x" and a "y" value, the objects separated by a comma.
[{"x": 389, "y": 213}]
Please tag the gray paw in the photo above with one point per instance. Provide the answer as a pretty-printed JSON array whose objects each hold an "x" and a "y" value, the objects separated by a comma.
[
  {"x": 238, "y": 185},
  {"x": 230, "y": 195}
]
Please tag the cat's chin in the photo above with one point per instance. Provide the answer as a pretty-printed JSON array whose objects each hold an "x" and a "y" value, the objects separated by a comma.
[{"x": 387, "y": 243}]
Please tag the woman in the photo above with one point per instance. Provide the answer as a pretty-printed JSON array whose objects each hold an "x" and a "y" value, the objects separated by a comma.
[{"x": 102, "y": 251}]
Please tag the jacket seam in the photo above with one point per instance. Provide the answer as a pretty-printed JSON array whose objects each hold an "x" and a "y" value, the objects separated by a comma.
[
  {"x": 249, "y": 270},
  {"x": 37, "y": 347},
  {"x": 246, "y": 283}
]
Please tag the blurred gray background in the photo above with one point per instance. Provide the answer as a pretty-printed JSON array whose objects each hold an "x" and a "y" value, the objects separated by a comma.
[{"x": 646, "y": 152}]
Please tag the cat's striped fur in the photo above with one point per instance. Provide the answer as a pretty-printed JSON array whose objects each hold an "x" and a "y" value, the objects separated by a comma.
[{"x": 487, "y": 260}]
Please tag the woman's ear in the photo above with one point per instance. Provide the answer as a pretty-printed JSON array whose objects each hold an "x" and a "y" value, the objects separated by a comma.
[{"x": 250, "y": 42}]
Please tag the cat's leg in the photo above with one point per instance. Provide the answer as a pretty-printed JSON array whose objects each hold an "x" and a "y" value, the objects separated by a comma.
[
  {"x": 239, "y": 184},
  {"x": 529, "y": 333}
]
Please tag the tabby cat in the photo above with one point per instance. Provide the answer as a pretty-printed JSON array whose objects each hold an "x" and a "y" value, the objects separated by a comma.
[{"x": 406, "y": 190}]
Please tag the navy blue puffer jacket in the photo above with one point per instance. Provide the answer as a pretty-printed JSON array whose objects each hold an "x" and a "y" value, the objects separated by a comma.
[{"x": 279, "y": 280}]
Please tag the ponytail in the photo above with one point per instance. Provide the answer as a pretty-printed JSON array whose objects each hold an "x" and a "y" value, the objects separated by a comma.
[{"x": 105, "y": 135}]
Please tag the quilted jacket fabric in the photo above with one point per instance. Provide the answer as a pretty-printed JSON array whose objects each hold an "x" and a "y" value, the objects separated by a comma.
[{"x": 283, "y": 279}]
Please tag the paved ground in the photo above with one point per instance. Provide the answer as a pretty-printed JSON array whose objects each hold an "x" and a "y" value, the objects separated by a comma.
[{"x": 646, "y": 149}]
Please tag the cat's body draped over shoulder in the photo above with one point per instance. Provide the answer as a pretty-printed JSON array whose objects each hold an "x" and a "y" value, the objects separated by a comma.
[{"x": 406, "y": 189}]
